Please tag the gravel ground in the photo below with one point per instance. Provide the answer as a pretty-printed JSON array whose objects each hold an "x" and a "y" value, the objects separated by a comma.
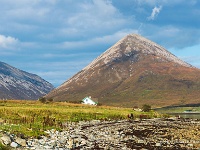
[{"x": 165, "y": 134}]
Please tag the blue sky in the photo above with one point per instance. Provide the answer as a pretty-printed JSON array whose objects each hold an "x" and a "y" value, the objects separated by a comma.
[{"x": 57, "y": 38}]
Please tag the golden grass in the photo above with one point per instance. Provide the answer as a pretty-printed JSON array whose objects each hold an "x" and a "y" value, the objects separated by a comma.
[{"x": 33, "y": 117}]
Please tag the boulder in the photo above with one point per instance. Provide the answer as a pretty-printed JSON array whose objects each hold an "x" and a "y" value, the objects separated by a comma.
[
  {"x": 14, "y": 145},
  {"x": 21, "y": 142},
  {"x": 6, "y": 139}
]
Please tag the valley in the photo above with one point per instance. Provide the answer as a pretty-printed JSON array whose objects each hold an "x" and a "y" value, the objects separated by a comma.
[
  {"x": 133, "y": 73},
  {"x": 61, "y": 125},
  {"x": 33, "y": 117}
]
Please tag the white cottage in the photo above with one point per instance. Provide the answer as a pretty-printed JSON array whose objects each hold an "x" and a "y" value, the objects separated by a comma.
[{"x": 89, "y": 101}]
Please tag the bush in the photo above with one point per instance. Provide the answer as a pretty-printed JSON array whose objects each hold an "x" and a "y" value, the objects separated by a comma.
[
  {"x": 42, "y": 99},
  {"x": 146, "y": 108},
  {"x": 50, "y": 99},
  {"x": 99, "y": 104}
]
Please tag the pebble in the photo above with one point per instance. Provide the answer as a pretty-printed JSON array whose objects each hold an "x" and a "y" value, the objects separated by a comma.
[{"x": 158, "y": 144}]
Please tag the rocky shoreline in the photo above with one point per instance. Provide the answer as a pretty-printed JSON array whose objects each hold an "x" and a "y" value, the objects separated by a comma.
[{"x": 165, "y": 134}]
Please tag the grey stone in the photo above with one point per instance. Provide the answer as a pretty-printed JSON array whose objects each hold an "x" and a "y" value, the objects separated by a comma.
[
  {"x": 111, "y": 134},
  {"x": 48, "y": 147},
  {"x": 63, "y": 140},
  {"x": 70, "y": 143},
  {"x": 14, "y": 144},
  {"x": 53, "y": 143},
  {"x": 83, "y": 142},
  {"x": 190, "y": 145},
  {"x": 21, "y": 142},
  {"x": 6, "y": 139},
  {"x": 41, "y": 141},
  {"x": 141, "y": 141},
  {"x": 158, "y": 144}
]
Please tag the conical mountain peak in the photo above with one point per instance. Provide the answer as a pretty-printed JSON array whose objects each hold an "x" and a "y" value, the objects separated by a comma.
[
  {"x": 134, "y": 44},
  {"x": 134, "y": 71}
]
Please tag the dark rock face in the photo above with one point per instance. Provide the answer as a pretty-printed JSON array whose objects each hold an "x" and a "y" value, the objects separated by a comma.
[
  {"x": 132, "y": 72},
  {"x": 18, "y": 84}
]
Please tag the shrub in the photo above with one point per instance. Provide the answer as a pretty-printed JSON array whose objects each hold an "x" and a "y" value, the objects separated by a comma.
[
  {"x": 99, "y": 104},
  {"x": 42, "y": 99},
  {"x": 50, "y": 99},
  {"x": 146, "y": 108}
]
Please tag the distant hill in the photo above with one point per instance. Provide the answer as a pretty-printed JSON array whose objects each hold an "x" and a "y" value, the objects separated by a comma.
[
  {"x": 133, "y": 72},
  {"x": 18, "y": 84}
]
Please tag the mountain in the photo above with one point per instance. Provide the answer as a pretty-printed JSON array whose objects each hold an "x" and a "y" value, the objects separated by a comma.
[
  {"x": 18, "y": 84},
  {"x": 133, "y": 72}
]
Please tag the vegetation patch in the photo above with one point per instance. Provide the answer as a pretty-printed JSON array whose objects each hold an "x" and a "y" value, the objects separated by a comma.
[
  {"x": 2, "y": 147},
  {"x": 32, "y": 118}
]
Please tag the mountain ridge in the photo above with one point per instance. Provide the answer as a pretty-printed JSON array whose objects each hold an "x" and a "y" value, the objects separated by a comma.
[{"x": 18, "y": 84}]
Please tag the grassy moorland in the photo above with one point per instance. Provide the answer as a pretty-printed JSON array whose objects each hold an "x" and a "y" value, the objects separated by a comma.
[{"x": 32, "y": 118}]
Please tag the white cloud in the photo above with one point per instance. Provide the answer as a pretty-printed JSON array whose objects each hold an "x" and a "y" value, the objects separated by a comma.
[
  {"x": 24, "y": 3},
  {"x": 106, "y": 39},
  {"x": 99, "y": 16},
  {"x": 8, "y": 42},
  {"x": 26, "y": 13},
  {"x": 149, "y": 2},
  {"x": 155, "y": 12},
  {"x": 59, "y": 56},
  {"x": 167, "y": 36},
  {"x": 169, "y": 32},
  {"x": 165, "y": 2},
  {"x": 53, "y": 20},
  {"x": 189, "y": 54},
  {"x": 52, "y": 30},
  {"x": 113, "y": 38}
]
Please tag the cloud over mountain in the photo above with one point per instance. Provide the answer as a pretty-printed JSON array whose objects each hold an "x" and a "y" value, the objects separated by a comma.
[
  {"x": 155, "y": 12},
  {"x": 40, "y": 27},
  {"x": 7, "y": 42}
]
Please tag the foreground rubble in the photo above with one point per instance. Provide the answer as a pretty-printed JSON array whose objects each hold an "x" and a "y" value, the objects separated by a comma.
[{"x": 165, "y": 134}]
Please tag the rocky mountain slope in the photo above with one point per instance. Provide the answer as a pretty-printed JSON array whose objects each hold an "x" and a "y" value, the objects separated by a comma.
[
  {"x": 133, "y": 72},
  {"x": 18, "y": 84}
]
